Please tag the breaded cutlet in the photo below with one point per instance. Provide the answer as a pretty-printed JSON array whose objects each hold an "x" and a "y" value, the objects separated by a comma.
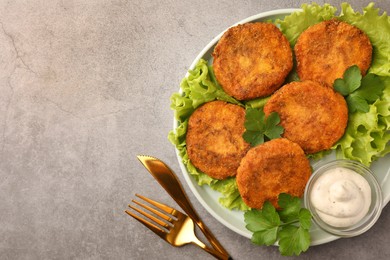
[
  {"x": 313, "y": 115},
  {"x": 274, "y": 167},
  {"x": 252, "y": 60},
  {"x": 214, "y": 138},
  {"x": 325, "y": 50}
]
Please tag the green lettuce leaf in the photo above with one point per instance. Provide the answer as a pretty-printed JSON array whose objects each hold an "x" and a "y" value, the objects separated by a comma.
[
  {"x": 293, "y": 25},
  {"x": 197, "y": 88},
  {"x": 367, "y": 135},
  {"x": 231, "y": 198}
]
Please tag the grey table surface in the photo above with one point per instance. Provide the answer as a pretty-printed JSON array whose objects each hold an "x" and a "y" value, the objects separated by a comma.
[{"x": 85, "y": 87}]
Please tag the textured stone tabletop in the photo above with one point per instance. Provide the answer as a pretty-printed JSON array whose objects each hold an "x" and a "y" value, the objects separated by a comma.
[{"x": 84, "y": 88}]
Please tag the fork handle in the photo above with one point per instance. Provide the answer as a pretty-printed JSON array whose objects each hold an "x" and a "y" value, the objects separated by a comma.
[
  {"x": 211, "y": 251},
  {"x": 209, "y": 235}
]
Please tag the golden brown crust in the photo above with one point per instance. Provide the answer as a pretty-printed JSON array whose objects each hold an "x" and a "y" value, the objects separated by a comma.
[
  {"x": 325, "y": 50},
  {"x": 214, "y": 139},
  {"x": 277, "y": 166},
  {"x": 252, "y": 60},
  {"x": 313, "y": 115}
]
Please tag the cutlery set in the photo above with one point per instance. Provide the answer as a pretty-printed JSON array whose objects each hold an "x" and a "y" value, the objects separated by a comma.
[{"x": 168, "y": 223}]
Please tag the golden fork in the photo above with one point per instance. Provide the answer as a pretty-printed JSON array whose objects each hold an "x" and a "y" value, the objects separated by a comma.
[{"x": 171, "y": 225}]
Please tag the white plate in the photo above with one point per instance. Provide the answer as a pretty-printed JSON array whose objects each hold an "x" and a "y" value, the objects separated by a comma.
[{"x": 235, "y": 219}]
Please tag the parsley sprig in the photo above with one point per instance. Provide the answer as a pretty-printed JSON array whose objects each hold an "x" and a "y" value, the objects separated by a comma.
[
  {"x": 289, "y": 226},
  {"x": 259, "y": 127},
  {"x": 359, "y": 91}
]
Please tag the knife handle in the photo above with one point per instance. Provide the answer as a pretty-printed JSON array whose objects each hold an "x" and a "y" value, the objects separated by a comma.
[{"x": 168, "y": 180}]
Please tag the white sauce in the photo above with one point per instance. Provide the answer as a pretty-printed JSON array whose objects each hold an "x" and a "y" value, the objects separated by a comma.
[{"x": 341, "y": 197}]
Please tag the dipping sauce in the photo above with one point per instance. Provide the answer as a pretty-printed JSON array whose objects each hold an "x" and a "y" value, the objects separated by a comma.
[{"x": 341, "y": 197}]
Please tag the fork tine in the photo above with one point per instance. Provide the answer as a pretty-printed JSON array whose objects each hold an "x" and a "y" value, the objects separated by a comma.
[
  {"x": 158, "y": 213},
  {"x": 159, "y": 205},
  {"x": 149, "y": 216},
  {"x": 149, "y": 225}
]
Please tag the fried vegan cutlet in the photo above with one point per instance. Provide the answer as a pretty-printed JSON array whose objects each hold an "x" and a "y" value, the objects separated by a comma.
[
  {"x": 274, "y": 167},
  {"x": 313, "y": 115},
  {"x": 252, "y": 60},
  {"x": 214, "y": 139},
  {"x": 325, "y": 50}
]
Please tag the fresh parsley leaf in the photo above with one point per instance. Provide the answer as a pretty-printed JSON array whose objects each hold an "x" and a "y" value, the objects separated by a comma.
[
  {"x": 289, "y": 226},
  {"x": 341, "y": 87},
  {"x": 305, "y": 218},
  {"x": 254, "y": 119},
  {"x": 264, "y": 224},
  {"x": 272, "y": 128},
  {"x": 258, "y": 220},
  {"x": 350, "y": 81},
  {"x": 270, "y": 214},
  {"x": 371, "y": 87},
  {"x": 253, "y": 137},
  {"x": 258, "y": 126},
  {"x": 290, "y": 207},
  {"x": 265, "y": 237},
  {"x": 359, "y": 92},
  {"x": 357, "y": 103},
  {"x": 293, "y": 240}
]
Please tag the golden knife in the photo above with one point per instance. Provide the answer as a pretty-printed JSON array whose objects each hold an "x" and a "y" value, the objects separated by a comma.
[{"x": 168, "y": 180}]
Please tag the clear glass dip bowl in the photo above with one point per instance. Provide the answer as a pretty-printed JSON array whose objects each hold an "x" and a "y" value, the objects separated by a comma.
[{"x": 376, "y": 198}]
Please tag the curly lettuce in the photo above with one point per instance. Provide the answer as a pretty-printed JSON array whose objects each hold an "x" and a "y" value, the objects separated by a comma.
[
  {"x": 197, "y": 88},
  {"x": 293, "y": 25},
  {"x": 367, "y": 135}
]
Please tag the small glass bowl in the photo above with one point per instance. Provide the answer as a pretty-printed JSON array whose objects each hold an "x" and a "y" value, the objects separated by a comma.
[{"x": 376, "y": 198}]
